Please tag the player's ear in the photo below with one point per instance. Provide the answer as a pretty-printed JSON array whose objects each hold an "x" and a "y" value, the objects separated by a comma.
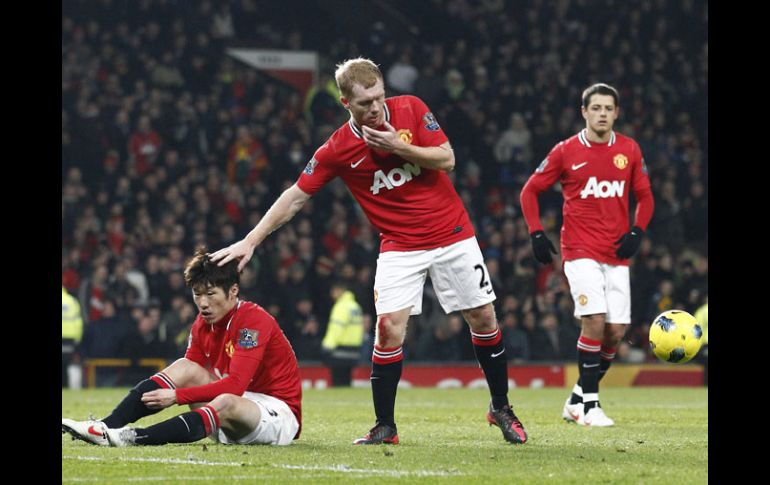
[
  {"x": 345, "y": 102},
  {"x": 233, "y": 292}
]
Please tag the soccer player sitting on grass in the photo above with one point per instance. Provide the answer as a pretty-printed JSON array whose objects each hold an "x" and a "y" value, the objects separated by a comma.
[{"x": 239, "y": 376}]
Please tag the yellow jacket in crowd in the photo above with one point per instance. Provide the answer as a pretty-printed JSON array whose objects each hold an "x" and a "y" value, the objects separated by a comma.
[
  {"x": 71, "y": 321},
  {"x": 346, "y": 323}
]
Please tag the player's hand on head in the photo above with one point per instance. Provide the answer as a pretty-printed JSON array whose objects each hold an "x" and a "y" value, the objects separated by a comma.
[
  {"x": 629, "y": 243},
  {"x": 542, "y": 247},
  {"x": 241, "y": 250}
]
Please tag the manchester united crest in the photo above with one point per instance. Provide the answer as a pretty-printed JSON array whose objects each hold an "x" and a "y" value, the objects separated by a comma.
[
  {"x": 620, "y": 161},
  {"x": 229, "y": 348},
  {"x": 405, "y": 135},
  {"x": 582, "y": 299},
  {"x": 375, "y": 296}
]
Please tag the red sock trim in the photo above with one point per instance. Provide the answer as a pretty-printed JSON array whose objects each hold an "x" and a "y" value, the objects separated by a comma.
[
  {"x": 387, "y": 355},
  {"x": 608, "y": 353},
  {"x": 163, "y": 381},
  {"x": 210, "y": 418},
  {"x": 487, "y": 339},
  {"x": 589, "y": 345}
]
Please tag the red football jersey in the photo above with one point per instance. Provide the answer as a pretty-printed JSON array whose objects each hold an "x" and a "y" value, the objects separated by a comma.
[
  {"x": 596, "y": 179},
  {"x": 248, "y": 351},
  {"x": 412, "y": 207}
]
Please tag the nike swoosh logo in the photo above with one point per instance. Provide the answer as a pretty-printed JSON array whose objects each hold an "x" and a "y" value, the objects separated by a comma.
[
  {"x": 489, "y": 291},
  {"x": 575, "y": 167},
  {"x": 588, "y": 366},
  {"x": 575, "y": 416},
  {"x": 499, "y": 353},
  {"x": 92, "y": 431},
  {"x": 354, "y": 165}
]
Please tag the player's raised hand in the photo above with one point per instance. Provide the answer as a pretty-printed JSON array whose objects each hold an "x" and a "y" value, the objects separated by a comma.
[
  {"x": 243, "y": 250},
  {"x": 382, "y": 140}
]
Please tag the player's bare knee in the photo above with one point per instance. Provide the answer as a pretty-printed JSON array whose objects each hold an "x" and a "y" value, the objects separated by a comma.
[
  {"x": 389, "y": 332},
  {"x": 482, "y": 318},
  {"x": 593, "y": 326},
  {"x": 613, "y": 334},
  {"x": 223, "y": 403},
  {"x": 185, "y": 372},
  {"x": 594, "y": 321}
]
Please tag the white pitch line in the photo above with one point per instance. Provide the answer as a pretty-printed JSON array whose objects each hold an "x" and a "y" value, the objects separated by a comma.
[
  {"x": 332, "y": 468},
  {"x": 249, "y": 478},
  {"x": 178, "y": 461},
  {"x": 392, "y": 473}
]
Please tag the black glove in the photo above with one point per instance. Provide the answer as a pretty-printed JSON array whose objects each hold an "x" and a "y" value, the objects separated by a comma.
[
  {"x": 629, "y": 243},
  {"x": 541, "y": 246}
]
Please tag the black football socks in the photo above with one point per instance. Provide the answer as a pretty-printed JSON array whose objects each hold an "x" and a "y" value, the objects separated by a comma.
[{"x": 490, "y": 353}]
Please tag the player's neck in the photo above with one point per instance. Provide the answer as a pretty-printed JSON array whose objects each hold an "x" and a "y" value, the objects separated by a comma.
[{"x": 595, "y": 137}]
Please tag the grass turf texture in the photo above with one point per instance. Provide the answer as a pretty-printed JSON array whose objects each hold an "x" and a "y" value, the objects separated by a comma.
[{"x": 660, "y": 436}]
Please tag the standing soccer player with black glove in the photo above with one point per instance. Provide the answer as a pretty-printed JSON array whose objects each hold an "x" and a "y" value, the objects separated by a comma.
[{"x": 597, "y": 168}]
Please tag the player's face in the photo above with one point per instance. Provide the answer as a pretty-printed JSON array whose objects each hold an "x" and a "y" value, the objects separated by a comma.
[
  {"x": 367, "y": 104},
  {"x": 601, "y": 113},
  {"x": 213, "y": 303}
]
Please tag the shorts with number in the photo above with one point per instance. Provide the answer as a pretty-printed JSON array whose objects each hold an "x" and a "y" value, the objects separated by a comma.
[
  {"x": 277, "y": 425},
  {"x": 459, "y": 275},
  {"x": 599, "y": 288}
]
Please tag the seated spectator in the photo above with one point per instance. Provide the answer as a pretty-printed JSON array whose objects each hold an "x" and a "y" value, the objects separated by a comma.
[{"x": 515, "y": 339}]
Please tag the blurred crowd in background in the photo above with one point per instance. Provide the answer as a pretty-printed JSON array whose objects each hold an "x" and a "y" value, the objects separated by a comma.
[{"x": 168, "y": 144}]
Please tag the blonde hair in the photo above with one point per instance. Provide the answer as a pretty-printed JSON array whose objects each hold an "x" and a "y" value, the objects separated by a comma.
[{"x": 356, "y": 71}]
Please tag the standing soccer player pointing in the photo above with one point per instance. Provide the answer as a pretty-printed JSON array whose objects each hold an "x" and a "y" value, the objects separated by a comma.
[
  {"x": 597, "y": 169},
  {"x": 394, "y": 157}
]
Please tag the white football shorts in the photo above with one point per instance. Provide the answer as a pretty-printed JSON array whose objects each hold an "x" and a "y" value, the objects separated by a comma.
[
  {"x": 599, "y": 288},
  {"x": 277, "y": 426},
  {"x": 459, "y": 275}
]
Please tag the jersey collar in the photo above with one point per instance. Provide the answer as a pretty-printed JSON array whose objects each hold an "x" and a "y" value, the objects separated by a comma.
[{"x": 584, "y": 139}]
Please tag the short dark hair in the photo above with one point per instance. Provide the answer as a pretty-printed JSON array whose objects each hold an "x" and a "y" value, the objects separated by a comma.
[
  {"x": 600, "y": 88},
  {"x": 202, "y": 272},
  {"x": 340, "y": 283}
]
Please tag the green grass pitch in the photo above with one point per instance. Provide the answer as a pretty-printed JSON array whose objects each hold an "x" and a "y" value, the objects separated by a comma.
[{"x": 660, "y": 436}]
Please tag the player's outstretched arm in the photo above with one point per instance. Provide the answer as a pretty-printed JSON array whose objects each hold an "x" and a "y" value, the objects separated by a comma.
[
  {"x": 281, "y": 212},
  {"x": 441, "y": 157}
]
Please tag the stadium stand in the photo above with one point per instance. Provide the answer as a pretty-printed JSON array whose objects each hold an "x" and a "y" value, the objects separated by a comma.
[{"x": 168, "y": 143}]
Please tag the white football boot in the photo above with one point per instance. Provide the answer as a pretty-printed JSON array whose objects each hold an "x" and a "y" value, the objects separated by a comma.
[
  {"x": 90, "y": 431},
  {"x": 572, "y": 412},
  {"x": 595, "y": 417},
  {"x": 121, "y": 436}
]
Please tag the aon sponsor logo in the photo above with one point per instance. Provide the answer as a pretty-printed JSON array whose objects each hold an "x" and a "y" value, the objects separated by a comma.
[
  {"x": 395, "y": 178},
  {"x": 603, "y": 189}
]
